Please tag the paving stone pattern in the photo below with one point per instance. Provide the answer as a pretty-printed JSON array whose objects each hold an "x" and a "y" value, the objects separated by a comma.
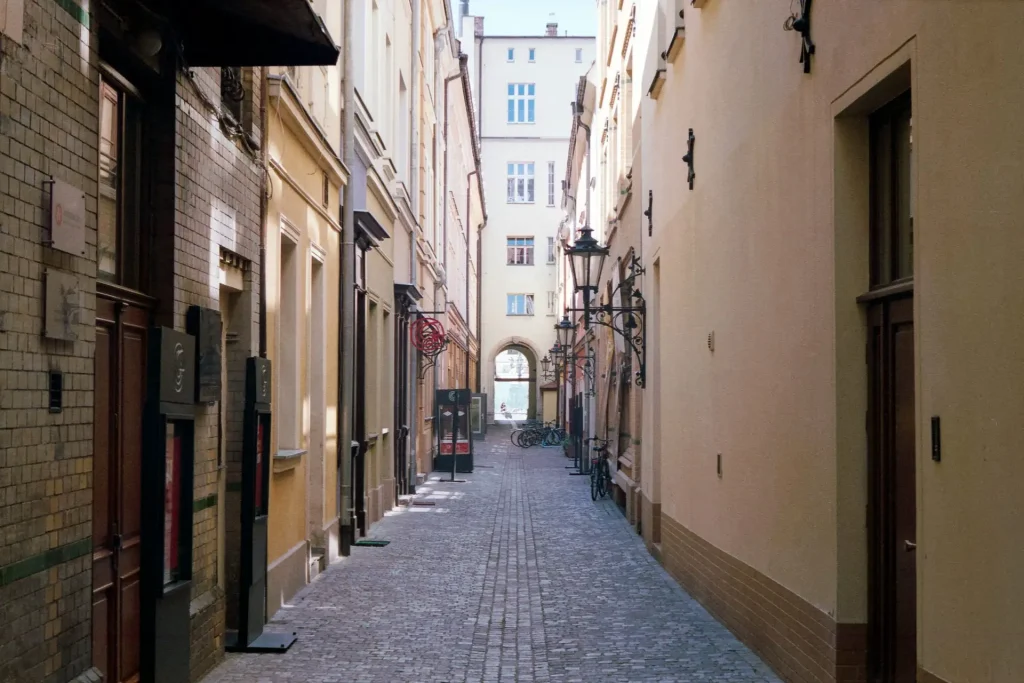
[{"x": 514, "y": 575}]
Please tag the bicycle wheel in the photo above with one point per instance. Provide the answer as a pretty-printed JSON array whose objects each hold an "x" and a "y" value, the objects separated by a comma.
[
  {"x": 514, "y": 436},
  {"x": 594, "y": 483},
  {"x": 606, "y": 480},
  {"x": 551, "y": 438}
]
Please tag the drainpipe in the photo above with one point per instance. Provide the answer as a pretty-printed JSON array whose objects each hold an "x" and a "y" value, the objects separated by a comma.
[
  {"x": 414, "y": 188},
  {"x": 444, "y": 194},
  {"x": 466, "y": 222},
  {"x": 346, "y": 303},
  {"x": 264, "y": 103}
]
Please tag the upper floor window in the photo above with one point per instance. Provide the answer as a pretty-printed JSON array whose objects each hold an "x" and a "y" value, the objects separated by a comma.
[
  {"x": 520, "y": 251},
  {"x": 519, "y": 304},
  {"x": 520, "y": 183},
  {"x": 511, "y": 54},
  {"x": 533, "y": 54},
  {"x": 232, "y": 90},
  {"x": 521, "y": 102},
  {"x": 579, "y": 55},
  {"x": 551, "y": 183},
  {"x": 551, "y": 250}
]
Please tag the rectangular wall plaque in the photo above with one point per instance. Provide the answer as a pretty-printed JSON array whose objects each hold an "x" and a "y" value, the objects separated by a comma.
[
  {"x": 205, "y": 325},
  {"x": 67, "y": 218},
  {"x": 176, "y": 352},
  {"x": 63, "y": 306}
]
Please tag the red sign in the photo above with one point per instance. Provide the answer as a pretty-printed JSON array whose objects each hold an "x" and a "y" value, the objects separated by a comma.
[{"x": 461, "y": 447}]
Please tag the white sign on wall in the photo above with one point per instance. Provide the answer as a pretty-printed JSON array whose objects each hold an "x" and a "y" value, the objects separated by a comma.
[
  {"x": 67, "y": 218},
  {"x": 63, "y": 306}
]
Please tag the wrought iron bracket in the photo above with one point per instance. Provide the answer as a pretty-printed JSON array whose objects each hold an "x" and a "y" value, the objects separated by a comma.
[
  {"x": 688, "y": 158},
  {"x": 430, "y": 361},
  {"x": 649, "y": 212},
  {"x": 629, "y": 322},
  {"x": 802, "y": 24}
]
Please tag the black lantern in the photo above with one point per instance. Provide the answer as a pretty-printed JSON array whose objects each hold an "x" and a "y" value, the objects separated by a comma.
[
  {"x": 545, "y": 364},
  {"x": 564, "y": 331},
  {"x": 586, "y": 260}
]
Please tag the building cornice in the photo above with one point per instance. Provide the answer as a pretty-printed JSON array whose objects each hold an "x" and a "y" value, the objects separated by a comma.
[{"x": 298, "y": 120}]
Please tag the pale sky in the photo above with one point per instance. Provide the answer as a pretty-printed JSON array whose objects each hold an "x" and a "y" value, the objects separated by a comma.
[{"x": 528, "y": 17}]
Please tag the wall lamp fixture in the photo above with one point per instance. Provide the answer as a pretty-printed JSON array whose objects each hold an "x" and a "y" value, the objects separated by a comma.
[{"x": 586, "y": 260}]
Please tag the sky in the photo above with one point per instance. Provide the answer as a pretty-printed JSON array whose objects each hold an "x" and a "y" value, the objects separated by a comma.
[{"x": 528, "y": 17}]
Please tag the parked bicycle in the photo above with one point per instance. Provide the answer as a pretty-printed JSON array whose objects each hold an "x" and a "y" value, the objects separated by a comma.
[
  {"x": 538, "y": 434},
  {"x": 600, "y": 474}
]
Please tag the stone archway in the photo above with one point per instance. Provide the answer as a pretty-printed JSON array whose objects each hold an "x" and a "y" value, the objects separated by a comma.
[{"x": 514, "y": 367}]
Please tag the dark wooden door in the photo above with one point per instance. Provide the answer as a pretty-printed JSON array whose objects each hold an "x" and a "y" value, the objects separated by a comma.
[
  {"x": 120, "y": 388},
  {"x": 892, "y": 495}
]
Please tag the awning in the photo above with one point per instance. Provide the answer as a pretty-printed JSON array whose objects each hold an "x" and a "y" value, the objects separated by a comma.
[
  {"x": 369, "y": 229},
  {"x": 253, "y": 33}
]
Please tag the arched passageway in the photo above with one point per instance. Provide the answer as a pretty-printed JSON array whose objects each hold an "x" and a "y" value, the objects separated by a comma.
[{"x": 515, "y": 384}]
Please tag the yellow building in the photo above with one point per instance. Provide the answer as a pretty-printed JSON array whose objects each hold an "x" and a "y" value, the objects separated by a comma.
[
  {"x": 831, "y": 424},
  {"x": 302, "y": 258}
]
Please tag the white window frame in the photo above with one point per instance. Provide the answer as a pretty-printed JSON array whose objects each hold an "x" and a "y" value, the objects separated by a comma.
[
  {"x": 551, "y": 303},
  {"x": 551, "y": 183},
  {"x": 511, "y": 55},
  {"x": 521, "y": 103},
  {"x": 531, "y": 54},
  {"x": 579, "y": 55},
  {"x": 512, "y": 304},
  {"x": 551, "y": 250},
  {"x": 519, "y": 251},
  {"x": 520, "y": 187}
]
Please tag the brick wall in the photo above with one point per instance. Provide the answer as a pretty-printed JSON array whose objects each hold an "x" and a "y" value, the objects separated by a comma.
[
  {"x": 48, "y": 108},
  {"x": 217, "y": 192}
]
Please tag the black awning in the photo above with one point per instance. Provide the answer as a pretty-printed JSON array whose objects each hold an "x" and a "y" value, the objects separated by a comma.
[
  {"x": 253, "y": 33},
  {"x": 370, "y": 228}
]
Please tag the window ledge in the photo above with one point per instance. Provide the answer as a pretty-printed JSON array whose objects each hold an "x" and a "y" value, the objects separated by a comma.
[{"x": 287, "y": 459}]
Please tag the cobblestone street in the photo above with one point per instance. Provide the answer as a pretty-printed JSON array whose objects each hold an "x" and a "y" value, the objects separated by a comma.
[{"x": 514, "y": 575}]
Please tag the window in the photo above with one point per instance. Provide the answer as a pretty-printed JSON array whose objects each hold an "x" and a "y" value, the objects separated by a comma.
[
  {"x": 520, "y": 251},
  {"x": 551, "y": 303},
  {"x": 520, "y": 183},
  {"x": 579, "y": 55},
  {"x": 521, "y": 102},
  {"x": 892, "y": 209},
  {"x": 121, "y": 241},
  {"x": 287, "y": 417},
  {"x": 520, "y": 304},
  {"x": 551, "y": 250},
  {"x": 551, "y": 183},
  {"x": 533, "y": 54},
  {"x": 326, "y": 191},
  {"x": 511, "y": 54},
  {"x": 232, "y": 90}
]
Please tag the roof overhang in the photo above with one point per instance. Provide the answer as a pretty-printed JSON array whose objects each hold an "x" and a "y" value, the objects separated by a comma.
[
  {"x": 369, "y": 230},
  {"x": 408, "y": 293},
  {"x": 252, "y": 33}
]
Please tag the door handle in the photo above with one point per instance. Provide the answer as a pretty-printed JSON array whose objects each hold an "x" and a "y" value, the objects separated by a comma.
[{"x": 909, "y": 546}]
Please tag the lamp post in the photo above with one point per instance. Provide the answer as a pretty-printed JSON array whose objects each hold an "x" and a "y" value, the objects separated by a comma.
[{"x": 586, "y": 261}]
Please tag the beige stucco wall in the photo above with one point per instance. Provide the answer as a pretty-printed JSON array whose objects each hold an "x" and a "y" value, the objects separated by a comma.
[
  {"x": 759, "y": 255},
  {"x": 298, "y": 513}
]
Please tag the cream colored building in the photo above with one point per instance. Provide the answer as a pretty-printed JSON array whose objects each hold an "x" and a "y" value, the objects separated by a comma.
[
  {"x": 302, "y": 247},
  {"x": 522, "y": 89},
  {"x": 828, "y": 458}
]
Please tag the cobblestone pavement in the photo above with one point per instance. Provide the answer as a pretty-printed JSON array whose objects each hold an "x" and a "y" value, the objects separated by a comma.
[{"x": 514, "y": 575}]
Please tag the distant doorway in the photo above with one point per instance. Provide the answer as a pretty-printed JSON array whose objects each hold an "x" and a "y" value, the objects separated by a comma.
[{"x": 514, "y": 385}]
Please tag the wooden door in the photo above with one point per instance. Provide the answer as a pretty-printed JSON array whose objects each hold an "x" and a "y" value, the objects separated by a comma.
[
  {"x": 892, "y": 495},
  {"x": 120, "y": 388}
]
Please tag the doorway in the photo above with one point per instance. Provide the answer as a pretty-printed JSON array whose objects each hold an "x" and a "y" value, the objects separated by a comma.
[
  {"x": 892, "y": 504},
  {"x": 120, "y": 385},
  {"x": 514, "y": 385}
]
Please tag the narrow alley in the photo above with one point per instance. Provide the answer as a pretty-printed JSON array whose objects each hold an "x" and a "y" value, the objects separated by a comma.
[{"x": 512, "y": 575}]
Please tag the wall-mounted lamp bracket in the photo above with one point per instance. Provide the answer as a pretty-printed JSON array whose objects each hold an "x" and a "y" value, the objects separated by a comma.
[{"x": 688, "y": 158}]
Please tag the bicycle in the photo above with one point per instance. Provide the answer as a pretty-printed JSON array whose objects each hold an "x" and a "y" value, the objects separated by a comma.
[
  {"x": 600, "y": 476},
  {"x": 534, "y": 434}
]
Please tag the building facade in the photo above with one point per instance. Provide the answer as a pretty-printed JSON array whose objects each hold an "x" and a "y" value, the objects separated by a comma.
[
  {"x": 819, "y": 200},
  {"x": 302, "y": 255},
  {"x": 131, "y": 190},
  {"x": 523, "y": 87}
]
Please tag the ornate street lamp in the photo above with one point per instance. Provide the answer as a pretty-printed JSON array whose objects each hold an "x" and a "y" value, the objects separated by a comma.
[
  {"x": 564, "y": 331},
  {"x": 587, "y": 260}
]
